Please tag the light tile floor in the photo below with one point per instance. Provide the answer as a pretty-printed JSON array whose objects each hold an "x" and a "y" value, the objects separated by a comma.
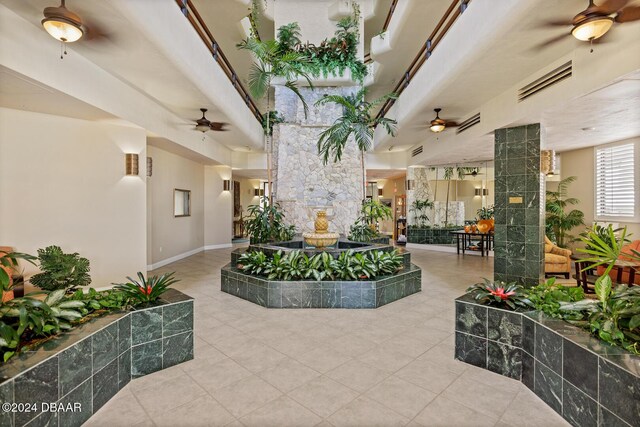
[{"x": 392, "y": 366}]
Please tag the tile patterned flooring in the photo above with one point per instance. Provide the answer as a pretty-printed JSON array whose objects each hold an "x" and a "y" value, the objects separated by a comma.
[{"x": 392, "y": 366}]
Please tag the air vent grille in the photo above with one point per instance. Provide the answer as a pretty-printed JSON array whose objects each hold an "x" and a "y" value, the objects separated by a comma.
[
  {"x": 551, "y": 78},
  {"x": 416, "y": 151},
  {"x": 471, "y": 121}
]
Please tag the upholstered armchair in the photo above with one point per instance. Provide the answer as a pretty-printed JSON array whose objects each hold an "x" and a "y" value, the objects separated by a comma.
[
  {"x": 626, "y": 250},
  {"x": 557, "y": 260}
]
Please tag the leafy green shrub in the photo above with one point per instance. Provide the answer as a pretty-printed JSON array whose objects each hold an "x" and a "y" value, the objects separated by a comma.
[
  {"x": 296, "y": 265},
  {"x": 146, "y": 290},
  {"x": 546, "y": 297},
  {"x": 360, "y": 231},
  {"x": 60, "y": 270},
  {"x": 28, "y": 318},
  {"x": 486, "y": 212},
  {"x": 266, "y": 224},
  {"x": 112, "y": 299},
  {"x": 500, "y": 294},
  {"x": 420, "y": 208},
  {"x": 363, "y": 229}
]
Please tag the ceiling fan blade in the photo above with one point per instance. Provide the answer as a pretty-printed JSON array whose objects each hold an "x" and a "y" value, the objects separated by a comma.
[
  {"x": 554, "y": 23},
  {"x": 218, "y": 126},
  {"x": 628, "y": 14},
  {"x": 610, "y": 6},
  {"x": 451, "y": 124},
  {"x": 96, "y": 33}
]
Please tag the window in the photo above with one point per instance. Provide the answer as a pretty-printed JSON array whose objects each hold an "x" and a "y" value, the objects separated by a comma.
[{"x": 616, "y": 187}]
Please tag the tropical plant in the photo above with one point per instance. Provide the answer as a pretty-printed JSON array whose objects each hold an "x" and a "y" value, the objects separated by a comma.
[
  {"x": 146, "y": 290},
  {"x": 269, "y": 120},
  {"x": 449, "y": 172},
  {"x": 360, "y": 231},
  {"x": 602, "y": 232},
  {"x": 357, "y": 121},
  {"x": 28, "y": 318},
  {"x": 111, "y": 299},
  {"x": 9, "y": 262},
  {"x": 486, "y": 212},
  {"x": 420, "y": 209},
  {"x": 266, "y": 224},
  {"x": 558, "y": 220},
  {"x": 296, "y": 265},
  {"x": 546, "y": 297},
  {"x": 498, "y": 293},
  {"x": 373, "y": 211},
  {"x": 60, "y": 270},
  {"x": 615, "y": 316},
  {"x": 273, "y": 59}
]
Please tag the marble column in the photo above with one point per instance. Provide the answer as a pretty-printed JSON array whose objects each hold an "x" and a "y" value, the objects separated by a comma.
[
  {"x": 421, "y": 190},
  {"x": 519, "y": 205}
]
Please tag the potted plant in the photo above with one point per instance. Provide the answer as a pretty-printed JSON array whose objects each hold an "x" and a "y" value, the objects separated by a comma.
[
  {"x": 266, "y": 224},
  {"x": 558, "y": 221},
  {"x": 485, "y": 222}
]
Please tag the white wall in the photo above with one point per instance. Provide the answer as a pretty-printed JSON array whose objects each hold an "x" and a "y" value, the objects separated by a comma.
[
  {"x": 174, "y": 237},
  {"x": 218, "y": 208},
  {"x": 62, "y": 182},
  {"x": 580, "y": 163}
]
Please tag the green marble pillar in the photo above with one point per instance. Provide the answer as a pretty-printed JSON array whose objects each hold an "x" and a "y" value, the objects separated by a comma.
[{"x": 519, "y": 205}]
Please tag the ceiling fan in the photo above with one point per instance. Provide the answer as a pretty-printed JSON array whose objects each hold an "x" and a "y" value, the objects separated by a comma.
[
  {"x": 67, "y": 26},
  {"x": 203, "y": 124},
  {"x": 437, "y": 125},
  {"x": 595, "y": 21}
]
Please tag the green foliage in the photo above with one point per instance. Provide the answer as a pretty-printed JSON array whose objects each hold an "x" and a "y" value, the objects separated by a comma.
[
  {"x": 10, "y": 261},
  {"x": 296, "y": 265},
  {"x": 558, "y": 221},
  {"x": 144, "y": 289},
  {"x": 364, "y": 230},
  {"x": 269, "y": 120},
  {"x": 615, "y": 316},
  {"x": 448, "y": 176},
  {"x": 357, "y": 120},
  {"x": 104, "y": 300},
  {"x": 602, "y": 233},
  {"x": 420, "y": 209},
  {"x": 266, "y": 224},
  {"x": 486, "y": 212},
  {"x": 28, "y": 317},
  {"x": 500, "y": 294},
  {"x": 361, "y": 231},
  {"x": 546, "y": 297},
  {"x": 60, "y": 270},
  {"x": 374, "y": 211}
]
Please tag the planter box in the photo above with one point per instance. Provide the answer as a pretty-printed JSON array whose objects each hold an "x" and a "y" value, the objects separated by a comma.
[
  {"x": 587, "y": 381},
  {"x": 321, "y": 294},
  {"x": 432, "y": 236},
  {"x": 88, "y": 365}
]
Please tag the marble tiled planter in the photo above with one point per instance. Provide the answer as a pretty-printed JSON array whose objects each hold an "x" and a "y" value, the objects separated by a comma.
[
  {"x": 321, "y": 294},
  {"x": 587, "y": 381},
  {"x": 431, "y": 236},
  {"x": 91, "y": 363}
]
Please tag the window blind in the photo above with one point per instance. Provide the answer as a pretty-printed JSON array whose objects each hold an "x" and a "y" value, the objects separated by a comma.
[{"x": 615, "y": 181}]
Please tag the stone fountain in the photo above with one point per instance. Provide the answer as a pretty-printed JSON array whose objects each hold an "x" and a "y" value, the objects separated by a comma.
[{"x": 321, "y": 237}]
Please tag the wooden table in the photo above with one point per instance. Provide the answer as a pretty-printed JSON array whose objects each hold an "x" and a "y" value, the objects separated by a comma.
[
  {"x": 585, "y": 276},
  {"x": 462, "y": 238}
]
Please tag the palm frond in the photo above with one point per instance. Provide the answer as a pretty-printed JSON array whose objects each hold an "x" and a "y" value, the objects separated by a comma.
[{"x": 291, "y": 85}]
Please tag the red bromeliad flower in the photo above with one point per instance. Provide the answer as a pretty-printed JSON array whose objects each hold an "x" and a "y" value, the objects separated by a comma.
[
  {"x": 147, "y": 290},
  {"x": 499, "y": 292}
]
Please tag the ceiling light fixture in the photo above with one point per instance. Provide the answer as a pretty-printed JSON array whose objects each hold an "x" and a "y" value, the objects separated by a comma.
[
  {"x": 437, "y": 124},
  {"x": 592, "y": 28},
  {"x": 203, "y": 124},
  {"x": 62, "y": 24}
]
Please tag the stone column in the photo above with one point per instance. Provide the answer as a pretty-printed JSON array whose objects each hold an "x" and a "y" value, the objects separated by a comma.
[
  {"x": 519, "y": 205},
  {"x": 421, "y": 190},
  {"x": 303, "y": 184}
]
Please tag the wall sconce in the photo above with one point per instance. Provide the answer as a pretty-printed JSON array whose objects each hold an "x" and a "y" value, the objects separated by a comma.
[
  {"x": 410, "y": 184},
  {"x": 478, "y": 192},
  {"x": 485, "y": 191},
  {"x": 130, "y": 164},
  {"x": 226, "y": 185},
  {"x": 149, "y": 166},
  {"x": 547, "y": 162},
  {"x": 258, "y": 192},
  {"x": 481, "y": 192},
  {"x": 379, "y": 192}
]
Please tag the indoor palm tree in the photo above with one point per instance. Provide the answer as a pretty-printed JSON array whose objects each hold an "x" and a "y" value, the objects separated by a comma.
[
  {"x": 448, "y": 175},
  {"x": 558, "y": 220},
  {"x": 357, "y": 120},
  {"x": 275, "y": 58}
]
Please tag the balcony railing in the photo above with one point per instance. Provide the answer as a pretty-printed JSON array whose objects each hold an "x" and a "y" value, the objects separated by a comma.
[
  {"x": 456, "y": 8},
  {"x": 188, "y": 10}
]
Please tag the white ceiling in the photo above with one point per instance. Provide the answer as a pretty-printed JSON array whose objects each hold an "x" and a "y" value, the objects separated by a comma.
[{"x": 22, "y": 93}]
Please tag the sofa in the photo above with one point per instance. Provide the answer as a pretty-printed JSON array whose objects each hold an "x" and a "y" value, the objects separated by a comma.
[
  {"x": 626, "y": 250},
  {"x": 557, "y": 260}
]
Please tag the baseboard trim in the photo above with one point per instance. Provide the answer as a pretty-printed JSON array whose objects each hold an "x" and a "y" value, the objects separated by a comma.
[
  {"x": 447, "y": 249},
  {"x": 221, "y": 246},
  {"x": 174, "y": 258}
]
